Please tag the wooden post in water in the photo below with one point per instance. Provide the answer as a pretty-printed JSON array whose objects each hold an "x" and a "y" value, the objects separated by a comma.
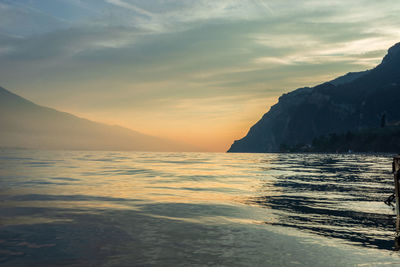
[{"x": 396, "y": 172}]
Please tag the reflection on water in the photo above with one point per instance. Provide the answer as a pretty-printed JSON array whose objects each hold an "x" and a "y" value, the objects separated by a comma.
[
  {"x": 115, "y": 208},
  {"x": 337, "y": 196}
]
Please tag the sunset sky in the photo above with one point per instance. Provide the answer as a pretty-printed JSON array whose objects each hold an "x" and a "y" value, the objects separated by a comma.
[{"x": 197, "y": 71}]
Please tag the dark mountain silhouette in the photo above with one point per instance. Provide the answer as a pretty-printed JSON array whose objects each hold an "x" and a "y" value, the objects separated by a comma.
[
  {"x": 24, "y": 124},
  {"x": 353, "y": 102}
]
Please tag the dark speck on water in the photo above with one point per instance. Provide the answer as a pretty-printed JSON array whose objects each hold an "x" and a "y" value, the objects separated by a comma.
[{"x": 60, "y": 208}]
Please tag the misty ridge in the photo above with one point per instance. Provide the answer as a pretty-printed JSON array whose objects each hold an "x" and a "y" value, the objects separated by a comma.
[
  {"x": 356, "y": 112},
  {"x": 27, "y": 125}
]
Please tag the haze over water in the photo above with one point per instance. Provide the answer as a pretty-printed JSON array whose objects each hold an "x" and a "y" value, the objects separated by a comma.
[{"x": 132, "y": 208}]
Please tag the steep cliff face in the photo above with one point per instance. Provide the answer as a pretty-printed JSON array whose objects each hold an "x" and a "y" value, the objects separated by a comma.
[{"x": 351, "y": 102}]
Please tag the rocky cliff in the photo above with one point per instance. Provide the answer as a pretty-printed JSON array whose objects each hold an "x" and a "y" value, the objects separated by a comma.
[{"x": 352, "y": 102}]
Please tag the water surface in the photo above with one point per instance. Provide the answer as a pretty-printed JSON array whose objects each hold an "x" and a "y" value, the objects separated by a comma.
[{"x": 130, "y": 208}]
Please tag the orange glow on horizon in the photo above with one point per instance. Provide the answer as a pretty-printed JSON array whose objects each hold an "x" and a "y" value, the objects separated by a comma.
[{"x": 207, "y": 135}]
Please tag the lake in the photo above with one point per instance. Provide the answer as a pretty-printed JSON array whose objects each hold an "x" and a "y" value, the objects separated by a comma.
[{"x": 80, "y": 208}]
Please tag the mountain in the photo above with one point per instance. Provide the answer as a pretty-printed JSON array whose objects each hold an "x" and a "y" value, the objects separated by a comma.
[
  {"x": 24, "y": 124},
  {"x": 353, "y": 102}
]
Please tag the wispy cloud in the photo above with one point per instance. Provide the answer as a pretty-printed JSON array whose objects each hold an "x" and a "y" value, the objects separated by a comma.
[
  {"x": 360, "y": 52},
  {"x": 131, "y": 6}
]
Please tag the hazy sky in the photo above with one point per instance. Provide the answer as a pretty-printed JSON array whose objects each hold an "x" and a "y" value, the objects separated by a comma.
[{"x": 193, "y": 70}]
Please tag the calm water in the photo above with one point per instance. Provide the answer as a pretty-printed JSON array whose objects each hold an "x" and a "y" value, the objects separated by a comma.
[{"x": 124, "y": 209}]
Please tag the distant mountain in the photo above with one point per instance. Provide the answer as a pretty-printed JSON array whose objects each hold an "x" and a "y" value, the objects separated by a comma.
[
  {"x": 24, "y": 124},
  {"x": 353, "y": 102}
]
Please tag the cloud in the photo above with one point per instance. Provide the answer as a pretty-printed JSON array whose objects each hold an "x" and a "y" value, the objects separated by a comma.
[
  {"x": 20, "y": 20},
  {"x": 123, "y": 4}
]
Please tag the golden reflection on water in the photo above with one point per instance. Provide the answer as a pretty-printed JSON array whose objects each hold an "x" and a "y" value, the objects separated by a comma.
[
  {"x": 132, "y": 177},
  {"x": 24, "y": 220}
]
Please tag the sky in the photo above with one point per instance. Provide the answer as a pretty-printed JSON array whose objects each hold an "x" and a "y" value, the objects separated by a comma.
[{"x": 196, "y": 71}]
